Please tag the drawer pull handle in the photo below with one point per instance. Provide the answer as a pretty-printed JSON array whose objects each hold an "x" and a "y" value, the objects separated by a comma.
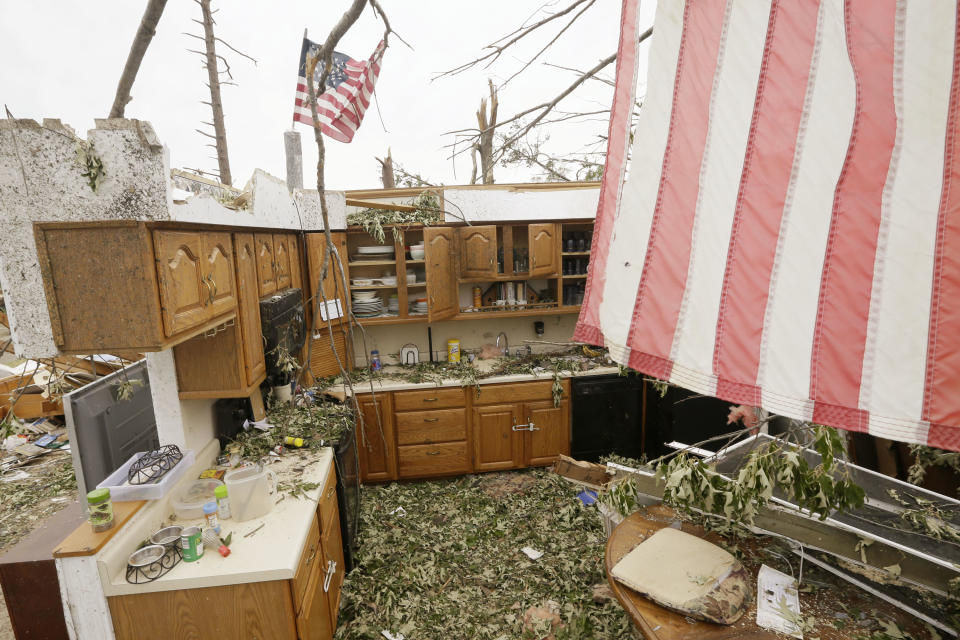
[
  {"x": 431, "y": 419},
  {"x": 430, "y": 399},
  {"x": 433, "y": 453},
  {"x": 331, "y": 570}
]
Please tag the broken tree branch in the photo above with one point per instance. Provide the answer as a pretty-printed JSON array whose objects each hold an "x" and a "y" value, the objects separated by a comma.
[{"x": 145, "y": 33}]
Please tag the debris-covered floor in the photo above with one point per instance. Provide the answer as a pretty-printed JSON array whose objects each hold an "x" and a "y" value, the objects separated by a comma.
[{"x": 450, "y": 563}]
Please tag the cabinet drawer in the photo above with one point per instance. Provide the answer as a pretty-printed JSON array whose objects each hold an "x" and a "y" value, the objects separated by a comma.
[
  {"x": 309, "y": 557},
  {"x": 518, "y": 392},
  {"x": 427, "y": 427},
  {"x": 432, "y": 399},
  {"x": 421, "y": 460}
]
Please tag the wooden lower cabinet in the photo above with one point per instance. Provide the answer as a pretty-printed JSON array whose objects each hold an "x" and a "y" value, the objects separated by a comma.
[
  {"x": 376, "y": 443},
  {"x": 303, "y": 608},
  {"x": 450, "y": 431},
  {"x": 496, "y": 446}
]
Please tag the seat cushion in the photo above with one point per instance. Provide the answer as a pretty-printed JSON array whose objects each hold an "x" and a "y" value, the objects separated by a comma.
[{"x": 688, "y": 575}]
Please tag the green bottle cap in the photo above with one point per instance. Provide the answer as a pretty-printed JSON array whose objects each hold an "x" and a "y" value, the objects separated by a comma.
[
  {"x": 220, "y": 491},
  {"x": 98, "y": 495}
]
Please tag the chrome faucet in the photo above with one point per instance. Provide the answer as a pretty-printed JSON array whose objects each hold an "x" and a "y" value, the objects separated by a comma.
[{"x": 505, "y": 349}]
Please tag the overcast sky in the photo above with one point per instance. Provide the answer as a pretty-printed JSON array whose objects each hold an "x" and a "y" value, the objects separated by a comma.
[{"x": 62, "y": 59}]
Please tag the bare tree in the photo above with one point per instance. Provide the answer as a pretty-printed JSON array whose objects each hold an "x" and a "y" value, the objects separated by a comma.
[
  {"x": 487, "y": 124},
  {"x": 386, "y": 171},
  {"x": 211, "y": 58},
  {"x": 530, "y": 120},
  {"x": 145, "y": 33}
]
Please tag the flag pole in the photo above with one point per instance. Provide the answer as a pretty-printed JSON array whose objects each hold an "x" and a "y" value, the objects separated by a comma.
[{"x": 293, "y": 120}]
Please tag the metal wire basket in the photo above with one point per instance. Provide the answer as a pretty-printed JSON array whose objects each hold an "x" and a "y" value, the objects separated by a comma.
[{"x": 153, "y": 465}]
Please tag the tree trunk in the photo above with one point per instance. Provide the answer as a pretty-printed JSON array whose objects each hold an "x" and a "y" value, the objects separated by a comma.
[
  {"x": 386, "y": 171},
  {"x": 216, "y": 105},
  {"x": 145, "y": 33},
  {"x": 487, "y": 123}
]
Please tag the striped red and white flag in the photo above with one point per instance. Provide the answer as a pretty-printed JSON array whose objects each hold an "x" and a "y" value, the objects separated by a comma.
[
  {"x": 788, "y": 233},
  {"x": 346, "y": 95}
]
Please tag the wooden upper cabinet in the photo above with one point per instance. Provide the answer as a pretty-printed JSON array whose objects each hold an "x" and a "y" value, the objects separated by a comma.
[
  {"x": 478, "y": 251},
  {"x": 218, "y": 272},
  {"x": 296, "y": 265},
  {"x": 281, "y": 256},
  {"x": 266, "y": 264},
  {"x": 544, "y": 250},
  {"x": 315, "y": 243},
  {"x": 184, "y": 293},
  {"x": 245, "y": 253},
  {"x": 442, "y": 299}
]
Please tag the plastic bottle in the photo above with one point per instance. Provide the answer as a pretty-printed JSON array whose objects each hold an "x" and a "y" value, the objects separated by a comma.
[
  {"x": 223, "y": 502},
  {"x": 210, "y": 514},
  {"x": 375, "y": 360},
  {"x": 100, "y": 510}
]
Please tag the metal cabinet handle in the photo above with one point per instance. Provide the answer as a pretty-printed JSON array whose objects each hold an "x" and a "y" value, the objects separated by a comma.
[
  {"x": 213, "y": 282},
  {"x": 525, "y": 427},
  {"x": 430, "y": 399},
  {"x": 313, "y": 553},
  {"x": 206, "y": 283},
  {"x": 431, "y": 419},
  {"x": 331, "y": 570},
  {"x": 433, "y": 453},
  {"x": 330, "y": 491}
]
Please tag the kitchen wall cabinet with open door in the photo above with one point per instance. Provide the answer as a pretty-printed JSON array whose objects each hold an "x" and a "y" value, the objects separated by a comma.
[
  {"x": 227, "y": 362},
  {"x": 329, "y": 287},
  {"x": 442, "y": 293},
  {"x": 478, "y": 251}
]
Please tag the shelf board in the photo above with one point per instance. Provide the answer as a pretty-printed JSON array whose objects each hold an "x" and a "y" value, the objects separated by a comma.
[
  {"x": 575, "y": 277},
  {"x": 416, "y": 285},
  {"x": 575, "y": 253},
  {"x": 392, "y": 319},
  {"x": 372, "y": 286},
  {"x": 518, "y": 313},
  {"x": 415, "y": 261},
  {"x": 371, "y": 263}
]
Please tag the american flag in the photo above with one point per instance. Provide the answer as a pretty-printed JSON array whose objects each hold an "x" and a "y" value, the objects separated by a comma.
[
  {"x": 345, "y": 97},
  {"x": 788, "y": 232}
]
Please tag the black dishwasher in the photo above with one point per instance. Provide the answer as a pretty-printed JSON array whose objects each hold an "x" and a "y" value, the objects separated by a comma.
[{"x": 607, "y": 416}]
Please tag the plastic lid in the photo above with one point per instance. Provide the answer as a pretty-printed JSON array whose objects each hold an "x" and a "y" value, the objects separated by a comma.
[
  {"x": 221, "y": 491},
  {"x": 210, "y": 507},
  {"x": 98, "y": 495}
]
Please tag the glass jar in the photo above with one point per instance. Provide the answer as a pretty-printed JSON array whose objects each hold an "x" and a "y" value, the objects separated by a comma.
[{"x": 100, "y": 510}]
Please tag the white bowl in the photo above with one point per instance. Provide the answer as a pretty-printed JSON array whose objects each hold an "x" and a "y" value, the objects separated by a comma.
[{"x": 417, "y": 255}]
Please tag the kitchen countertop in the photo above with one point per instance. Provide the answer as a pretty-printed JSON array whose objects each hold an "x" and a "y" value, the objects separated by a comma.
[
  {"x": 271, "y": 553},
  {"x": 482, "y": 366}
]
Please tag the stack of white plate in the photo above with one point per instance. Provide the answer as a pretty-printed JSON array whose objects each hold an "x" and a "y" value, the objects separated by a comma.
[
  {"x": 367, "y": 304},
  {"x": 379, "y": 252},
  {"x": 393, "y": 305},
  {"x": 419, "y": 305}
]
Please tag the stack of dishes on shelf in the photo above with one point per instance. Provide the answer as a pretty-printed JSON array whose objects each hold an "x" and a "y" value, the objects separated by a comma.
[
  {"x": 416, "y": 251},
  {"x": 411, "y": 277},
  {"x": 393, "y": 304},
  {"x": 367, "y": 304},
  {"x": 379, "y": 252},
  {"x": 419, "y": 305}
]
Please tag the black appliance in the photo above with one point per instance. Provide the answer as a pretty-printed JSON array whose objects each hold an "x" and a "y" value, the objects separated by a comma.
[
  {"x": 230, "y": 415},
  {"x": 688, "y": 417},
  {"x": 282, "y": 325},
  {"x": 607, "y": 417}
]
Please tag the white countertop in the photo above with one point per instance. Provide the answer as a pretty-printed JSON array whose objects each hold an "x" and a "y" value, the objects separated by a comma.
[
  {"x": 271, "y": 553},
  {"x": 482, "y": 366}
]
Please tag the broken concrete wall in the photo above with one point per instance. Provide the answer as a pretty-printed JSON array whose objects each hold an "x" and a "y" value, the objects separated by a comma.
[{"x": 41, "y": 180}]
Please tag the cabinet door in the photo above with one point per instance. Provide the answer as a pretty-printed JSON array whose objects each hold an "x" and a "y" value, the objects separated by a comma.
[
  {"x": 551, "y": 434},
  {"x": 296, "y": 267},
  {"x": 315, "y": 245},
  {"x": 218, "y": 272},
  {"x": 376, "y": 443},
  {"x": 248, "y": 315},
  {"x": 441, "y": 275},
  {"x": 496, "y": 445},
  {"x": 313, "y": 621},
  {"x": 544, "y": 257},
  {"x": 334, "y": 570},
  {"x": 266, "y": 264},
  {"x": 478, "y": 251},
  {"x": 183, "y": 296},
  {"x": 281, "y": 254}
]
